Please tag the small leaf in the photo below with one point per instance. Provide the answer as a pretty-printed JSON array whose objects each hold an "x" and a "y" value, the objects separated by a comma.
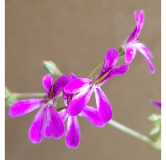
[
  {"x": 153, "y": 117},
  {"x": 52, "y": 68}
]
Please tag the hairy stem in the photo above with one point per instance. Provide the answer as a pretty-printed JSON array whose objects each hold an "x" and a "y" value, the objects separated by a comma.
[
  {"x": 29, "y": 95},
  {"x": 95, "y": 69},
  {"x": 130, "y": 132},
  {"x": 121, "y": 53}
]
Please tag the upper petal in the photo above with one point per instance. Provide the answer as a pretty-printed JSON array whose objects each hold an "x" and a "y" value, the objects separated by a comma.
[
  {"x": 55, "y": 123},
  {"x": 130, "y": 54},
  {"x": 133, "y": 36},
  {"x": 140, "y": 20},
  {"x": 60, "y": 83},
  {"x": 78, "y": 85},
  {"x": 79, "y": 102},
  {"x": 73, "y": 76},
  {"x": 136, "y": 16},
  {"x": 109, "y": 61},
  {"x": 139, "y": 25},
  {"x": 47, "y": 83},
  {"x": 72, "y": 132},
  {"x": 156, "y": 103},
  {"x": 116, "y": 71},
  {"x": 103, "y": 105},
  {"x": 37, "y": 129},
  {"x": 92, "y": 115},
  {"x": 25, "y": 106}
]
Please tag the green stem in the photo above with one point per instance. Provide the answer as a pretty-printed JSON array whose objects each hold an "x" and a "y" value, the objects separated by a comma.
[
  {"x": 29, "y": 95},
  {"x": 122, "y": 53},
  {"x": 95, "y": 69},
  {"x": 131, "y": 132}
]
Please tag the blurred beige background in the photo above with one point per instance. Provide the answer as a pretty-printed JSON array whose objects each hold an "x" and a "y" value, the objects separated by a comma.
[{"x": 76, "y": 36}]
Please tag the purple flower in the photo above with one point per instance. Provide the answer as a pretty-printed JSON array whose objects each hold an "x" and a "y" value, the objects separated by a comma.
[
  {"x": 132, "y": 44},
  {"x": 85, "y": 86},
  {"x": 73, "y": 129},
  {"x": 47, "y": 119},
  {"x": 156, "y": 103}
]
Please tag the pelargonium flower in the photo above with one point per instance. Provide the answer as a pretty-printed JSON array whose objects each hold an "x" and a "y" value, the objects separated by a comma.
[
  {"x": 132, "y": 44},
  {"x": 73, "y": 129},
  {"x": 83, "y": 88},
  {"x": 47, "y": 119},
  {"x": 156, "y": 103}
]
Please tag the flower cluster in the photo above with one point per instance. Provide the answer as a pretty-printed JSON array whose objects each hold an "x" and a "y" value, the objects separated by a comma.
[{"x": 76, "y": 92}]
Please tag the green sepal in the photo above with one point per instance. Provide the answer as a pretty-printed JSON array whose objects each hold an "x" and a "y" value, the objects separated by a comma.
[
  {"x": 10, "y": 98},
  {"x": 153, "y": 117},
  {"x": 61, "y": 108},
  {"x": 121, "y": 51},
  {"x": 52, "y": 68}
]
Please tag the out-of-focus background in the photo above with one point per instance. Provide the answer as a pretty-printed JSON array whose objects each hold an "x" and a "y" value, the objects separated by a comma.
[{"x": 76, "y": 36}]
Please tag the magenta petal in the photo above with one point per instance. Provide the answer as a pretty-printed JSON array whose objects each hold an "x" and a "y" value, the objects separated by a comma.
[
  {"x": 92, "y": 115},
  {"x": 63, "y": 115},
  {"x": 141, "y": 20},
  {"x": 67, "y": 97},
  {"x": 133, "y": 36},
  {"x": 73, "y": 76},
  {"x": 103, "y": 105},
  {"x": 47, "y": 83},
  {"x": 79, "y": 102},
  {"x": 78, "y": 85},
  {"x": 55, "y": 123},
  {"x": 25, "y": 106},
  {"x": 130, "y": 54},
  {"x": 72, "y": 132},
  {"x": 47, "y": 132},
  {"x": 156, "y": 103},
  {"x": 152, "y": 69},
  {"x": 60, "y": 83},
  {"x": 37, "y": 129},
  {"x": 116, "y": 71},
  {"x": 144, "y": 48},
  {"x": 109, "y": 61},
  {"x": 136, "y": 16}
]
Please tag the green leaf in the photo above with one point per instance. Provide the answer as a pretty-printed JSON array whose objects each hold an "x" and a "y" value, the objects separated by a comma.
[{"x": 52, "y": 68}]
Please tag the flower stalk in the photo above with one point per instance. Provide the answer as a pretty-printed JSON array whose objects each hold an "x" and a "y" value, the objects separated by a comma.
[
  {"x": 131, "y": 132},
  {"x": 29, "y": 95}
]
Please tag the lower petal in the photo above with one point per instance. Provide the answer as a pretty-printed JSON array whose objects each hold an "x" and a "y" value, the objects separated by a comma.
[
  {"x": 63, "y": 115},
  {"x": 25, "y": 106},
  {"x": 47, "y": 132},
  {"x": 152, "y": 69},
  {"x": 72, "y": 132},
  {"x": 92, "y": 115},
  {"x": 55, "y": 123},
  {"x": 36, "y": 131},
  {"x": 130, "y": 54},
  {"x": 79, "y": 102},
  {"x": 103, "y": 105}
]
